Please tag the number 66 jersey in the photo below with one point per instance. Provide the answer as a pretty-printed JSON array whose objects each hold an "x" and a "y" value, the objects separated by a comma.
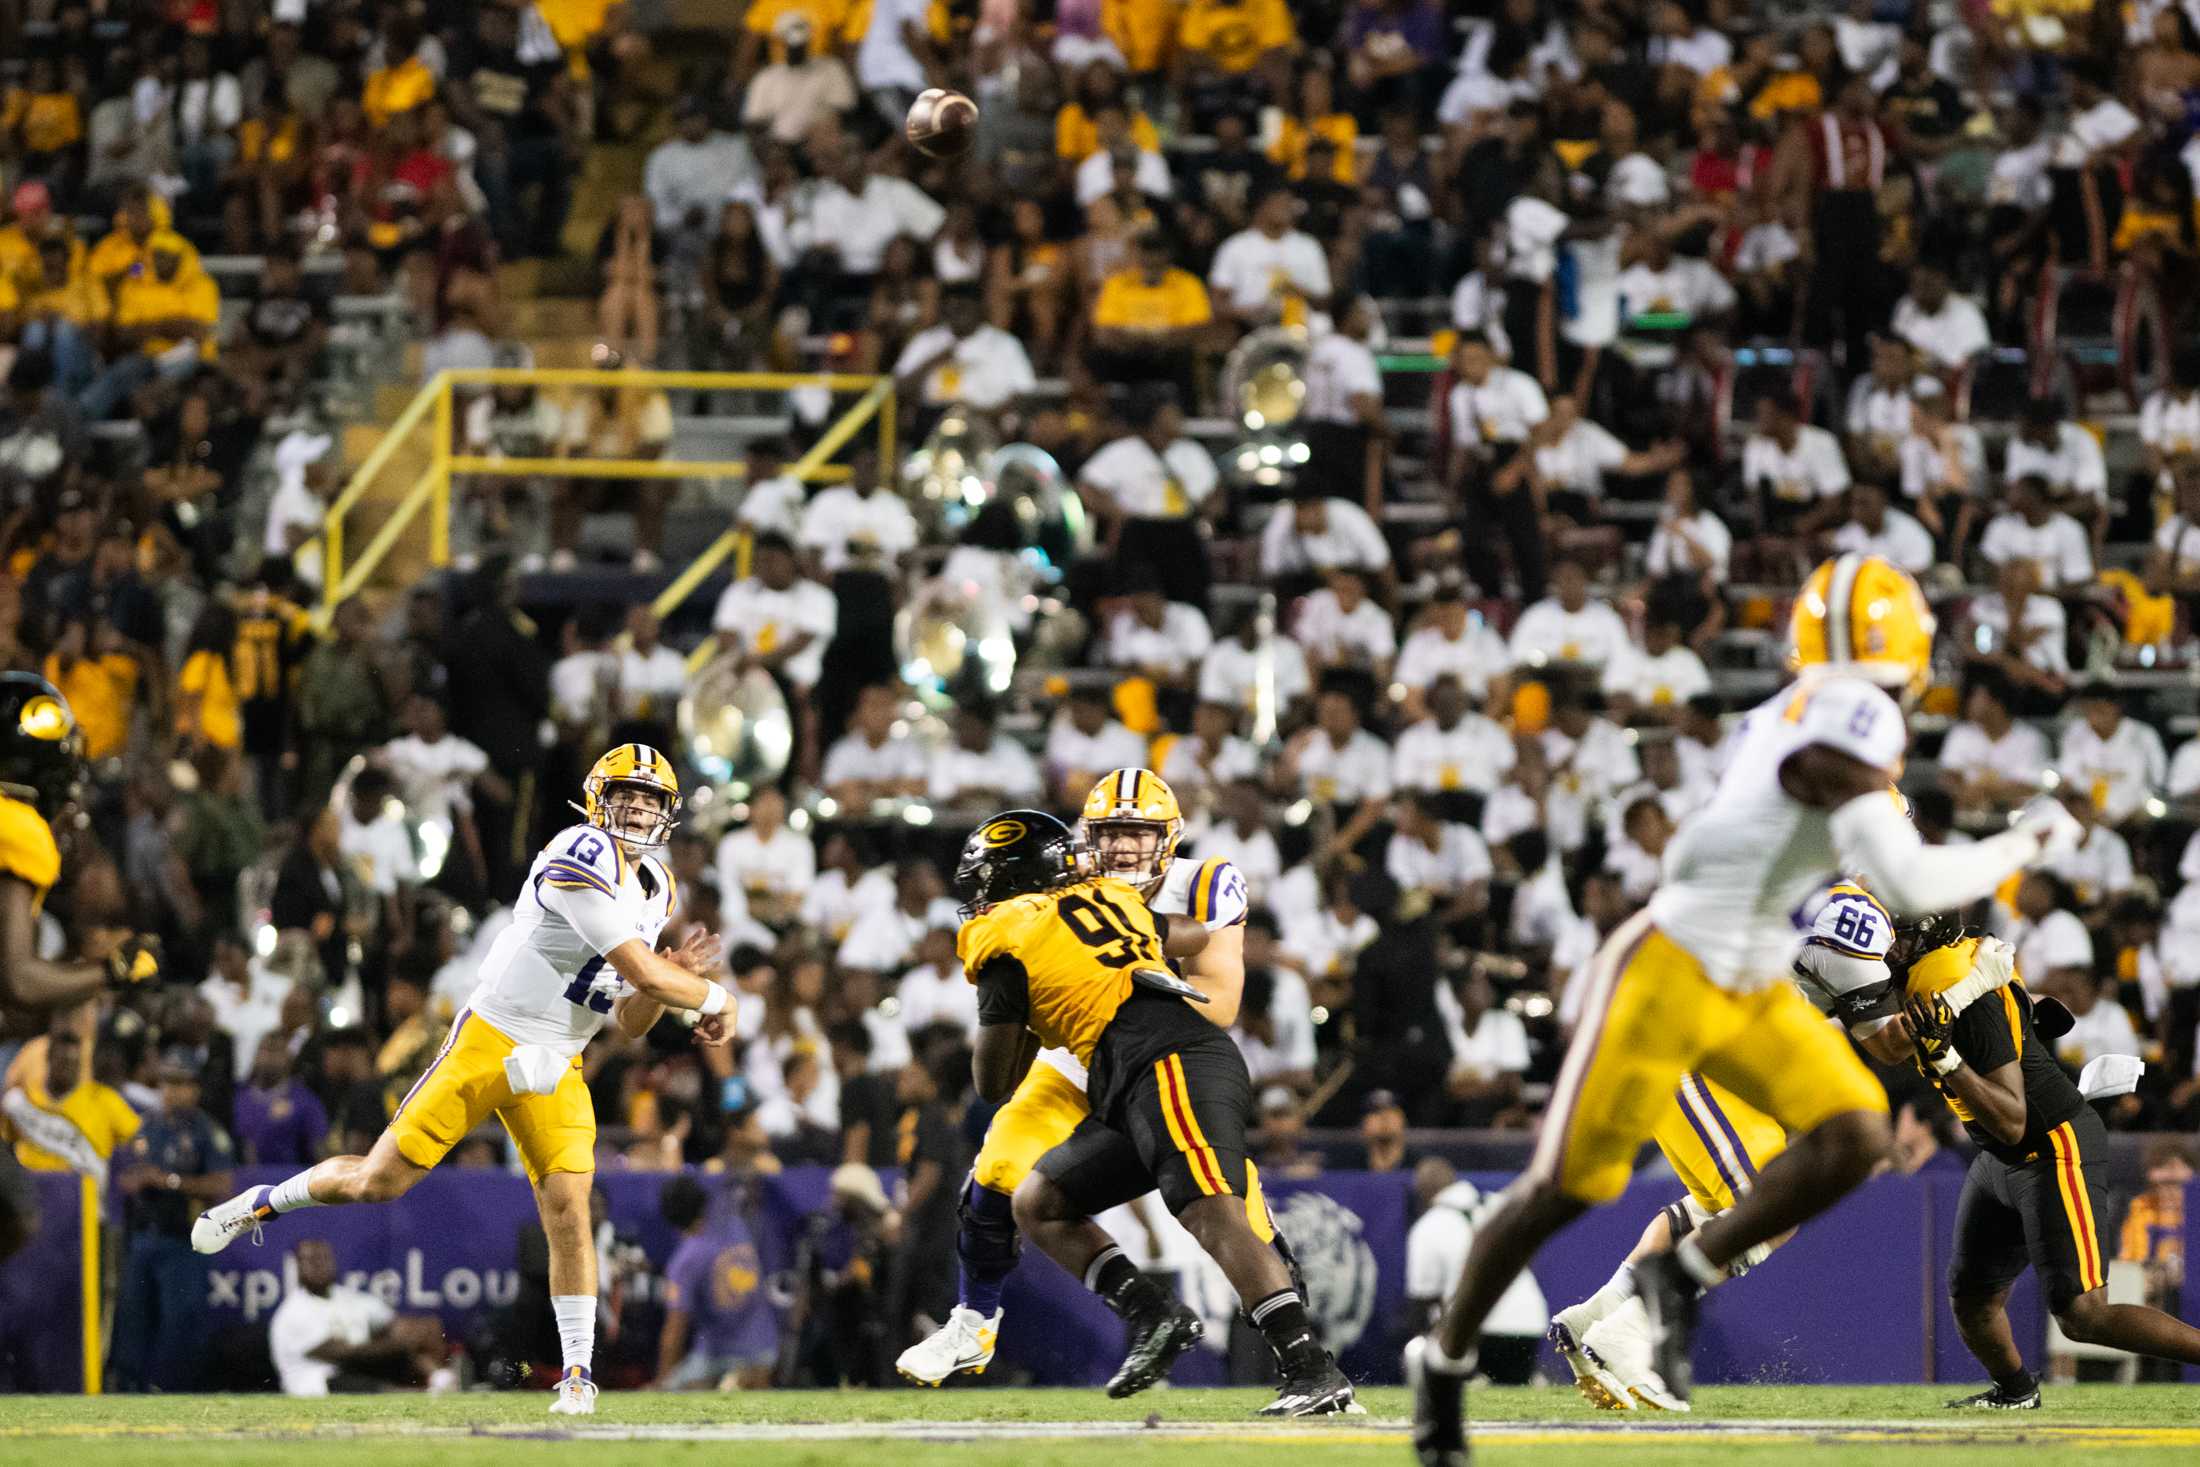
[
  {"x": 1741, "y": 872},
  {"x": 546, "y": 980}
]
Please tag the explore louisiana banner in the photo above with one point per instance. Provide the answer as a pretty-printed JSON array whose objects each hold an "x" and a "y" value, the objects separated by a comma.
[{"x": 1857, "y": 1297}]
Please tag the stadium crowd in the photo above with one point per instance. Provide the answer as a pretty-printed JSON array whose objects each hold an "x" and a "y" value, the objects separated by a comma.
[{"x": 1709, "y": 291}]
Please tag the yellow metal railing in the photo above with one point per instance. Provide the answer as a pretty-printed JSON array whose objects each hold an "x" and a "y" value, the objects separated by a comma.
[{"x": 344, "y": 576}]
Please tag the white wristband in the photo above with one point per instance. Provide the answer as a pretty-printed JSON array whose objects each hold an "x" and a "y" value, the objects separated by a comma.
[
  {"x": 1947, "y": 1064},
  {"x": 714, "y": 999}
]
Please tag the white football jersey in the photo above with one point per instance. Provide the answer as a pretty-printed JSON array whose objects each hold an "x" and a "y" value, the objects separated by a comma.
[
  {"x": 1212, "y": 890},
  {"x": 545, "y": 980},
  {"x": 1742, "y": 872}
]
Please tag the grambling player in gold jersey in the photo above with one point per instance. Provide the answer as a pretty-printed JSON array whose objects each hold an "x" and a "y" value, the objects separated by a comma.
[
  {"x": 41, "y": 763},
  {"x": 1064, "y": 956},
  {"x": 1132, "y": 823}
]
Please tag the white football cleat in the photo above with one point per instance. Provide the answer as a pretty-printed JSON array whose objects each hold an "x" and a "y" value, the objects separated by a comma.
[
  {"x": 576, "y": 1394},
  {"x": 1621, "y": 1344},
  {"x": 225, "y": 1222},
  {"x": 965, "y": 1342},
  {"x": 1592, "y": 1376}
]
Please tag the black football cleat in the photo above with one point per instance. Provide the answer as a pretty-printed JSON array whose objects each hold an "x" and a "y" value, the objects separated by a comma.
[
  {"x": 1673, "y": 1301},
  {"x": 1439, "y": 1409},
  {"x": 1155, "y": 1344},
  {"x": 1322, "y": 1391},
  {"x": 1997, "y": 1399}
]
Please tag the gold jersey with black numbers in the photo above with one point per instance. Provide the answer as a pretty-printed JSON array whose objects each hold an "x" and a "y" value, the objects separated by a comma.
[
  {"x": 27, "y": 849},
  {"x": 1060, "y": 962},
  {"x": 1993, "y": 1031}
]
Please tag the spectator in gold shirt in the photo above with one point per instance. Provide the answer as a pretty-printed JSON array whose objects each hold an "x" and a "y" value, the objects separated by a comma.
[
  {"x": 1150, "y": 319},
  {"x": 165, "y": 317}
]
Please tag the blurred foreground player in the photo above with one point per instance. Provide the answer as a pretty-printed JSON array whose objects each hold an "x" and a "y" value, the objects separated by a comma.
[
  {"x": 1698, "y": 981},
  {"x": 2036, "y": 1193},
  {"x": 581, "y": 948},
  {"x": 1067, "y": 957}
]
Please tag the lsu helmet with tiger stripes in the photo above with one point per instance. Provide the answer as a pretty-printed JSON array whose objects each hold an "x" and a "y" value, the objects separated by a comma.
[
  {"x": 1138, "y": 798},
  {"x": 1862, "y": 614},
  {"x": 632, "y": 766}
]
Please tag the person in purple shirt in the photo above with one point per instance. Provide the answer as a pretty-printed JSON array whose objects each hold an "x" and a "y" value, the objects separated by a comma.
[
  {"x": 719, "y": 1319},
  {"x": 280, "y": 1122},
  {"x": 1395, "y": 51}
]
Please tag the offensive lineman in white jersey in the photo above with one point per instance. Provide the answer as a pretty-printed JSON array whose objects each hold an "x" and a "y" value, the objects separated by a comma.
[
  {"x": 1698, "y": 982},
  {"x": 1133, "y": 821},
  {"x": 581, "y": 949}
]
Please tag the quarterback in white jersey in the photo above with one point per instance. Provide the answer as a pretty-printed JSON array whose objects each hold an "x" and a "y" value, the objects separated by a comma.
[
  {"x": 580, "y": 951},
  {"x": 1133, "y": 822},
  {"x": 1695, "y": 984}
]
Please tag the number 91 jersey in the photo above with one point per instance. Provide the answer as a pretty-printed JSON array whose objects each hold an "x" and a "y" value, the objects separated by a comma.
[
  {"x": 1060, "y": 961},
  {"x": 546, "y": 980}
]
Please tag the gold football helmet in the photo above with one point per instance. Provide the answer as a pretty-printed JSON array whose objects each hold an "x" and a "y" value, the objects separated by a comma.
[
  {"x": 632, "y": 767},
  {"x": 1122, "y": 810},
  {"x": 1867, "y": 616}
]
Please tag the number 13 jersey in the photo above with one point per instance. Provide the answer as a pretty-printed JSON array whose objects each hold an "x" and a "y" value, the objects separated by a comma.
[
  {"x": 1741, "y": 873},
  {"x": 546, "y": 980}
]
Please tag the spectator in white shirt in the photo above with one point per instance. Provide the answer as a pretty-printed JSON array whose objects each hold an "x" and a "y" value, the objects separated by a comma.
[
  {"x": 964, "y": 360},
  {"x": 1156, "y": 638},
  {"x": 767, "y": 862},
  {"x": 1315, "y": 533},
  {"x": 2102, "y": 1025},
  {"x": 872, "y": 761},
  {"x": 1875, "y": 527},
  {"x": 1948, "y": 329},
  {"x": 1240, "y": 665},
  {"x": 2116, "y": 762},
  {"x": 2173, "y": 560},
  {"x": 773, "y": 499},
  {"x": 2022, "y": 635},
  {"x": 1990, "y": 760},
  {"x": 1591, "y": 760},
  {"x": 2169, "y": 421},
  {"x": 1573, "y": 454},
  {"x": 1086, "y": 742},
  {"x": 690, "y": 174},
  {"x": 804, "y": 88},
  {"x": 982, "y": 764},
  {"x": 1275, "y": 1023},
  {"x": 651, "y": 675},
  {"x": 1448, "y": 862},
  {"x": 2065, "y": 457},
  {"x": 1339, "y": 626},
  {"x": 854, "y": 213},
  {"x": 1492, "y": 413},
  {"x": 2054, "y": 951},
  {"x": 775, "y": 619},
  {"x": 1878, "y": 415},
  {"x": 2099, "y": 870},
  {"x": 1659, "y": 284},
  {"x": 1344, "y": 404},
  {"x": 1654, "y": 683},
  {"x": 328, "y": 1335},
  {"x": 1489, "y": 1050},
  {"x": 859, "y": 525},
  {"x": 2035, "y": 530},
  {"x": 1794, "y": 469},
  {"x": 1340, "y": 767},
  {"x": 1453, "y": 748},
  {"x": 1209, "y": 757},
  {"x": 1261, "y": 268},
  {"x": 1454, "y": 640},
  {"x": 1150, "y": 489},
  {"x": 1689, "y": 540},
  {"x": 1568, "y": 626},
  {"x": 1943, "y": 464}
]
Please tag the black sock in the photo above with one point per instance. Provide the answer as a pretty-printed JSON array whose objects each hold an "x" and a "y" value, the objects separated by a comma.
[
  {"x": 1123, "y": 1288},
  {"x": 2020, "y": 1384},
  {"x": 1282, "y": 1321}
]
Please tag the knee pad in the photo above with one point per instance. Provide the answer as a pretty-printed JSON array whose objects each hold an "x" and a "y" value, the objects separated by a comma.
[{"x": 986, "y": 1239}]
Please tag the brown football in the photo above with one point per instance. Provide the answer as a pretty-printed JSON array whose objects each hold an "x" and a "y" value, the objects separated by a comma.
[{"x": 941, "y": 123}]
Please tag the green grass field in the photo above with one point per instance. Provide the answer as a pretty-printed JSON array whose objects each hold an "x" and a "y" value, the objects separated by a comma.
[{"x": 1747, "y": 1426}]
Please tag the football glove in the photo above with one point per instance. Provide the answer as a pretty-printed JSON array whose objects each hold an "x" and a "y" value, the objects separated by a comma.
[
  {"x": 1931, "y": 1020},
  {"x": 135, "y": 960}
]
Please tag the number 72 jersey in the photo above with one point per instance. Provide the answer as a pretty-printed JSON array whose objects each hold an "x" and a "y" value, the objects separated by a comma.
[
  {"x": 1060, "y": 961},
  {"x": 546, "y": 979}
]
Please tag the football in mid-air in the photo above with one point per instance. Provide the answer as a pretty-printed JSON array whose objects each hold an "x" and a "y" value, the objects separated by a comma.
[{"x": 941, "y": 123}]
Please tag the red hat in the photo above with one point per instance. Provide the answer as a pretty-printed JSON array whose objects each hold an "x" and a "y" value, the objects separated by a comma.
[{"x": 32, "y": 197}]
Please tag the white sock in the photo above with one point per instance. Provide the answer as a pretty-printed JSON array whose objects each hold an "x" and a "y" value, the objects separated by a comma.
[
  {"x": 1696, "y": 1265},
  {"x": 290, "y": 1194},
  {"x": 1617, "y": 1290},
  {"x": 576, "y": 1327}
]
